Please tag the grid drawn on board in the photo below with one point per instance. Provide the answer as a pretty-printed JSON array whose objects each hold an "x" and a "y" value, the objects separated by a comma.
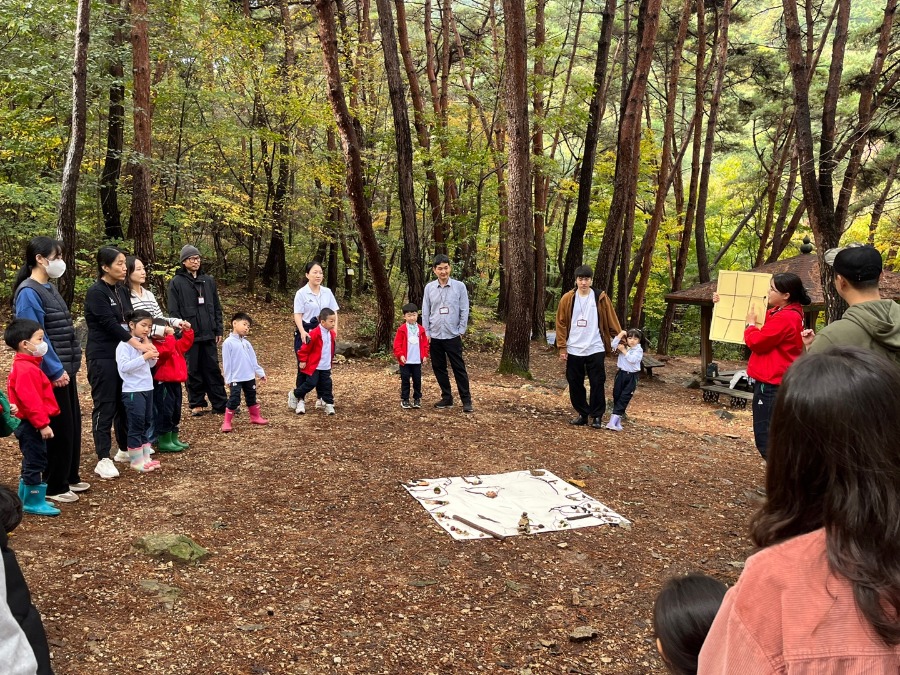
[{"x": 737, "y": 291}]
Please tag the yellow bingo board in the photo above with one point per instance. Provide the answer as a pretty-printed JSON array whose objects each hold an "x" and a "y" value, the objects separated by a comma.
[{"x": 737, "y": 292}]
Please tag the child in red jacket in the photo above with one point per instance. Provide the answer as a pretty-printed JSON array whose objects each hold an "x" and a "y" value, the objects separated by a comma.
[
  {"x": 411, "y": 350},
  {"x": 31, "y": 391},
  {"x": 171, "y": 373},
  {"x": 315, "y": 358}
]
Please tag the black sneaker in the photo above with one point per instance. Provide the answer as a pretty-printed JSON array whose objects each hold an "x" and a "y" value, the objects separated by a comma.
[
  {"x": 579, "y": 421},
  {"x": 417, "y": 403},
  {"x": 444, "y": 403},
  {"x": 405, "y": 404},
  {"x": 597, "y": 423},
  {"x": 467, "y": 407}
]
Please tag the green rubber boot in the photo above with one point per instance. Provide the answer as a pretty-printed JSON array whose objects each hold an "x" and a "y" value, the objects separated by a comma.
[
  {"x": 167, "y": 444},
  {"x": 178, "y": 441},
  {"x": 35, "y": 502}
]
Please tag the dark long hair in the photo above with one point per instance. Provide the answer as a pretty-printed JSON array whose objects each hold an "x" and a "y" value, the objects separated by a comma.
[
  {"x": 130, "y": 260},
  {"x": 682, "y": 616},
  {"x": 106, "y": 256},
  {"x": 834, "y": 463},
  {"x": 38, "y": 246},
  {"x": 787, "y": 282}
]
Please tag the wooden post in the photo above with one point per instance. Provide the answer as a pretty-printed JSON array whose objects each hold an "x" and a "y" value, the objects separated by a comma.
[{"x": 706, "y": 355}]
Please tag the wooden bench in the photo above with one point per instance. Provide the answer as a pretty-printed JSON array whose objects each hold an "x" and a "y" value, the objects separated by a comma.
[
  {"x": 648, "y": 363},
  {"x": 739, "y": 397}
]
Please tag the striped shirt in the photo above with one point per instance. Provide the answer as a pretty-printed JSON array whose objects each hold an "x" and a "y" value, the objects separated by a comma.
[{"x": 147, "y": 301}]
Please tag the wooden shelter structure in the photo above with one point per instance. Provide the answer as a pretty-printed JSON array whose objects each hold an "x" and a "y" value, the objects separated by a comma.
[{"x": 805, "y": 266}]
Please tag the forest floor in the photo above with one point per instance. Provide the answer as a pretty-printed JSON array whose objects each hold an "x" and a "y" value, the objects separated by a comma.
[{"x": 322, "y": 563}]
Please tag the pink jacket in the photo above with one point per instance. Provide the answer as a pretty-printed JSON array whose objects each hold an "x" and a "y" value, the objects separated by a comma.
[{"x": 789, "y": 614}]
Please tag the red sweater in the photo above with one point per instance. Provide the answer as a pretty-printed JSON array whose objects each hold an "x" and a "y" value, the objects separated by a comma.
[
  {"x": 311, "y": 352},
  {"x": 776, "y": 345},
  {"x": 31, "y": 390},
  {"x": 401, "y": 342},
  {"x": 171, "y": 366}
]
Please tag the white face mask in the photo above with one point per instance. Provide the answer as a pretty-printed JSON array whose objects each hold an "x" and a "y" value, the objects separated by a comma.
[
  {"x": 55, "y": 268},
  {"x": 40, "y": 349}
]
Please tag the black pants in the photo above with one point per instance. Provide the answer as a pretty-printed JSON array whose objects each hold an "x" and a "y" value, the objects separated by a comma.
[
  {"x": 320, "y": 380},
  {"x": 106, "y": 393},
  {"x": 167, "y": 405},
  {"x": 623, "y": 390},
  {"x": 763, "y": 405},
  {"x": 298, "y": 342},
  {"x": 64, "y": 449},
  {"x": 249, "y": 389},
  {"x": 411, "y": 371},
  {"x": 205, "y": 377},
  {"x": 34, "y": 453},
  {"x": 452, "y": 350},
  {"x": 593, "y": 366},
  {"x": 139, "y": 407}
]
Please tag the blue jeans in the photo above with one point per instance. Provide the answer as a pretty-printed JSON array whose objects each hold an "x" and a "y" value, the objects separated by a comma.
[
  {"x": 34, "y": 453},
  {"x": 763, "y": 404},
  {"x": 139, "y": 409}
]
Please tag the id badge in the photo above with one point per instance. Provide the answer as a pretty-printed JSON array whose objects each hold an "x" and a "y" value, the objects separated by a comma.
[
  {"x": 581, "y": 323},
  {"x": 444, "y": 310},
  {"x": 201, "y": 300}
]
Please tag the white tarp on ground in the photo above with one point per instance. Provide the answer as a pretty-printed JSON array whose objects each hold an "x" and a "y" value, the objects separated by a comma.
[{"x": 478, "y": 507}]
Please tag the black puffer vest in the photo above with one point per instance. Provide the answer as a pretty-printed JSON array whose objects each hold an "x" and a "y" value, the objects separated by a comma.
[{"x": 58, "y": 328}]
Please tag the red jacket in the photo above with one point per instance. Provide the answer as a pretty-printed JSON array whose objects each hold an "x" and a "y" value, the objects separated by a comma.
[
  {"x": 401, "y": 342},
  {"x": 171, "y": 366},
  {"x": 31, "y": 390},
  {"x": 776, "y": 345},
  {"x": 311, "y": 352}
]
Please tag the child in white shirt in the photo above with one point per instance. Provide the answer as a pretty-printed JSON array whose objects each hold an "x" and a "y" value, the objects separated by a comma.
[
  {"x": 629, "y": 363},
  {"x": 137, "y": 390},
  {"x": 241, "y": 370}
]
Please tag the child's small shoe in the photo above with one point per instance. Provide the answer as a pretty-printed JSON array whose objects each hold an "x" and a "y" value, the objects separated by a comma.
[
  {"x": 614, "y": 423},
  {"x": 405, "y": 404},
  {"x": 149, "y": 463},
  {"x": 255, "y": 416},
  {"x": 226, "y": 423},
  {"x": 136, "y": 459},
  {"x": 320, "y": 403},
  {"x": 329, "y": 409},
  {"x": 417, "y": 403},
  {"x": 301, "y": 407}
]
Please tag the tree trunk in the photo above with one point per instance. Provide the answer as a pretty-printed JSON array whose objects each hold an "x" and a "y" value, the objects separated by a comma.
[
  {"x": 520, "y": 235},
  {"x": 665, "y": 165},
  {"x": 65, "y": 224},
  {"x": 354, "y": 173},
  {"x": 412, "y": 257},
  {"x": 878, "y": 207},
  {"x": 575, "y": 251},
  {"x": 706, "y": 167},
  {"x": 275, "y": 266},
  {"x": 140, "y": 226},
  {"x": 115, "y": 131},
  {"x": 821, "y": 221},
  {"x": 628, "y": 148},
  {"x": 423, "y": 133},
  {"x": 538, "y": 327}
]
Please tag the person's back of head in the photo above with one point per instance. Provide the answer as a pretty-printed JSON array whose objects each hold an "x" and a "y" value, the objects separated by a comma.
[
  {"x": 10, "y": 510},
  {"x": 682, "y": 616},
  {"x": 859, "y": 270},
  {"x": 833, "y": 462}
]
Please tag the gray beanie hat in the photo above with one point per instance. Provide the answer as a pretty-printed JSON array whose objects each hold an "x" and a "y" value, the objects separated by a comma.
[{"x": 188, "y": 251}]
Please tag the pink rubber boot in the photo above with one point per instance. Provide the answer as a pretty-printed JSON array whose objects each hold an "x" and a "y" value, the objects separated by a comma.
[
  {"x": 226, "y": 425},
  {"x": 255, "y": 417}
]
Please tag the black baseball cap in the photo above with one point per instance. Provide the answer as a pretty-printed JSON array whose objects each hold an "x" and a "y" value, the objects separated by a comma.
[{"x": 856, "y": 263}]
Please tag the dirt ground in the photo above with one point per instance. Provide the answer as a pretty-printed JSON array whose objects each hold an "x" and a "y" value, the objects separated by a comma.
[{"x": 323, "y": 564}]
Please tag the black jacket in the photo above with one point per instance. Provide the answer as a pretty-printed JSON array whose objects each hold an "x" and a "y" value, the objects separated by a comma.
[
  {"x": 105, "y": 310},
  {"x": 184, "y": 295},
  {"x": 19, "y": 599}
]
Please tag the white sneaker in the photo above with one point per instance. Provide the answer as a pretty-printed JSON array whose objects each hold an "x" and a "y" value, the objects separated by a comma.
[
  {"x": 329, "y": 409},
  {"x": 106, "y": 469},
  {"x": 80, "y": 487},
  {"x": 301, "y": 408},
  {"x": 320, "y": 403},
  {"x": 121, "y": 456},
  {"x": 64, "y": 497},
  {"x": 292, "y": 400}
]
